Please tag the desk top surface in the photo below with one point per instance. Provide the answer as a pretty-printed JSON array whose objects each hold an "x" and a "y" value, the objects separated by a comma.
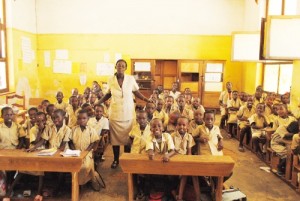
[{"x": 178, "y": 165}]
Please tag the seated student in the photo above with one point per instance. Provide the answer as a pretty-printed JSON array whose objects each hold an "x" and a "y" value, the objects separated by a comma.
[
  {"x": 85, "y": 138},
  {"x": 283, "y": 117},
  {"x": 89, "y": 109},
  {"x": 257, "y": 98},
  {"x": 196, "y": 105},
  {"x": 285, "y": 99},
  {"x": 279, "y": 147},
  {"x": 80, "y": 99},
  {"x": 101, "y": 125},
  {"x": 106, "y": 108},
  {"x": 274, "y": 115},
  {"x": 224, "y": 97},
  {"x": 233, "y": 106},
  {"x": 258, "y": 122},
  {"x": 243, "y": 123},
  {"x": 196, "y": 122},
  {"x": 166, "y": 93},
  {"x": 160, "y": 90},
  {"x": 60, "y": 104},
  {"x": 158, "y": 142},
  {"x": 160, "y": 113},
  {"x": 174, "y": 92},
  {"x": 154, "y": 96},
  {"x": 93, "y": 99},
  {"x": 188, "y": 100},
  {"x": 73, "y": 111},
  {"x": 296, "y": 145},
  {"x": 29, "y": 123},
  {"x": 183, "y": 142},
  {"x": 150, "y": 108},
  {"x": 169, "y": 106},
  {"x": 86, "y": 95},
  {"x": 74, "y": 92},
  {"x": 43, "y": 106},
  {"x": 269, "y": 105},
  {"x": 184, "y": 111},
  {"x": 50, "y": 111},
  {"x": 171, "y": 126},
  {"x": 139, "y": 133},
  {"x": 243, "y": 98}
]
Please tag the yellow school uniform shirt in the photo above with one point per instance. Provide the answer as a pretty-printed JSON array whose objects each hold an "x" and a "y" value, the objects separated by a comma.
[
  {"x": 188, "y": 113},
  {"x": 98, "y": 125},
  {"x": 279, "y": 121},
  {"x": 212, "y": 136},
  {"x": 182, "y": 143},
  {"x": 27, "y": 126},
  {"x": 232, "y": 114},
  {"x": 224, "y": 97},
  {"x": 244, "y": 111},
  {"x": 295, "y": 141},
  {"x": 139, "y": 138},
  {"x": 161, "y": 115},
  {"x": 9, "y": 137},
  {"x": 165, "y": 146},
  {"x": 193, "y": 127},
  {"x": 72, "y": 116},
  {"x": 55, "y": 137},
  {"x": 33, "y": 134},
  {"x": 259, "y": 121},
  {"x": 64, "y": 106}
]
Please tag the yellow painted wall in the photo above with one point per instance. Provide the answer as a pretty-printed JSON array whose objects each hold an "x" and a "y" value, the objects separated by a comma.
[
  {"x": 252, "y": 74},
  {"x": 295, "y": 89}
]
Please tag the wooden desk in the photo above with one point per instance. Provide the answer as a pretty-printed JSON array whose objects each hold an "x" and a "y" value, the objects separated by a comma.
[
  {"x": 191, "y": 165},
  {"x": 21, "y": 160}
]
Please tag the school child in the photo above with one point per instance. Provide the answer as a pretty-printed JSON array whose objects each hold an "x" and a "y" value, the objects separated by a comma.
[
  {"x": 160, "y": 90},
  {"x": 29, "y": 123},
  {"x": 274, "y": 115},
  {"x": 86, "y": 95},
  {"x": 243, "y": 98},
  {"x": 285, "y": 99},
  {"x": 280, "y": 148},
  {"x": 158, "y": 142},
  {"x": 196, "y": 105},
  {"x": 258, "y": 122},
  {"x": 283, "y": 117},
  {"x": 43, "y": 106},
  {"x": 85, "y": 138},
  {"x": 171, "y": 126},
  {"x": 150, "y": 108},
  {"x": 74, "y": 92},
  {"x": 50, "y": 111},
  {"x": 188, "y": 100},
  {"x": 224, "y": 97},
  {"x": 80, "y": 99},
  {"x": 243, "y": 123},
  {"x": 160, "y": 113},
  {"x": 183, "y": 142},
  {"x": 169, "y": 106},
  {"x": 197, "y": 121},
  {"x": 139, "y": 133},
  {"x": 209, "y": 136},
  {"x": 12, "y": 135},
  {"x": 73, "y": 111},
  {"x": 232, "y": 107},
  {"x": 89, "y": 109},
  {"x": 154, "y": 96},
  {"x": 60, "y": 104},
  {"x": 258, "y": 98},
  {"x": 101, "y": 125},
  {"x": 93, "y": 99},
  {"x": 295, "y": 146},
  {"x": 269, "y": 105},
  {"x": 174, "y": 92},
  {"x": 106, "y": 108},
  {"x": 166, "y": 93},
  {"x": 184, "y": 111}
]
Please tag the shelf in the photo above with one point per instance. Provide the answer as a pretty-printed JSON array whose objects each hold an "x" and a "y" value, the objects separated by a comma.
[{"x": 144, "y": 80}]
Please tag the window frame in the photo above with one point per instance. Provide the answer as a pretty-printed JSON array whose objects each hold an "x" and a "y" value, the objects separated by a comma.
[{"x": 4, "y": 59}]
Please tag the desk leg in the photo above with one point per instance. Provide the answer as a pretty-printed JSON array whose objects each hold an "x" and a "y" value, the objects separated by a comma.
[
  {"x": 75, "y": 187},
  {"x": 289, "y": 162},
  {"x": 219, "y": 189},
  {"x": 130, "y": 187}
]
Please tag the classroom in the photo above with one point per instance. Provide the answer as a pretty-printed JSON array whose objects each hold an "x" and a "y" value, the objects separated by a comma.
[{"x": 204, "y": 51}]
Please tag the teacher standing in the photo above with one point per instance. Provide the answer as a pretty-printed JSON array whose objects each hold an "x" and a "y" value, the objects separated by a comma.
[{"x": 121, "y": 88}]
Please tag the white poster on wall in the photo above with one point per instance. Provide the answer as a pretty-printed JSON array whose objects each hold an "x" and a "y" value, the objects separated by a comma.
[
  {"x": 47, "y": 58},
  {"x": 62, "y": 54},
  {"x": 62, "y": 66},
  {"x": 104, "y": 69}
]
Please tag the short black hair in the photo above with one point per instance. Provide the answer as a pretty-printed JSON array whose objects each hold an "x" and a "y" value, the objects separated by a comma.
[
  {"x": 33, "y": 109},
  {"x": 209, "y": 112},
  {"x": 5, "y": 109},
  {"x": 60, "y": 111},
  {"x": 48, "y": 107}
]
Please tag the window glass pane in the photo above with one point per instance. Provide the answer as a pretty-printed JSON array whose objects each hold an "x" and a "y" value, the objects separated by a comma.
[
  {"x": 3, "y": 75},
  {"x": 3, "y": 53},
  {"x": 274, "y": 7},
  {"x": 271, "y": 78},
  {"x": 1, "y": 11},
  {"x": 213, "y": 86},
  {"x": 285, "y": 78},
  {"x": 213, "y": 77},
  {"x": 214, "y": 67},
  {"x": 290, "y": 7}
]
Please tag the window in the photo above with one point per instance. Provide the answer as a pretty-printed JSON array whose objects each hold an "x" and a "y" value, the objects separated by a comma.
[
  {"x": 278, "y": 77},
  {"x": 3, "y": 55},
  {"x": 213, "y": 77},
  {"x": 282, "y": 7}
]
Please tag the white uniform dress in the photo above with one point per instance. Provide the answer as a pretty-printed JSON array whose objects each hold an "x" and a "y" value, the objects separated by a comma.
[{"x": 122, "y": 113}]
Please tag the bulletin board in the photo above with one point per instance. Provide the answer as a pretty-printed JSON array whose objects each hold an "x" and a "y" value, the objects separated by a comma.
[{"x": 282, "y": 38}]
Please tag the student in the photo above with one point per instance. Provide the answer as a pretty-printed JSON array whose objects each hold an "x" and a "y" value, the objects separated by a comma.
[
  {"x": 43, "y": 106},
  {"x": 174, "y": 92},
  {"x": 101, "y": 125},
  {"x": 188, "y": 100},
  {"x": 159, "y": 142},
  {"x": 85, "y": 138},
  {"x": 154, "y": 96},
  {"x": 232, "y": 107},
  {"x": 12, "y": 135},
  {"x": 89, "y": 109},
  {"x": 296, "y": 145},
  {"x": 183, "y": 142},
  {"x": 93, "y": 99},
  {"x": 209, "y": 136},
  {"x": 74, "y": 92},
  {"x": 60, "y": 104},
  {"x": 269, "y": 105},
  {"x": 224, "y": 97},
  {"x": 29, "y": 123},
  {"x": 106, "y": 108},
  {"x": 50, "y": 111},
  {"x": 285, "y": 99},
  {"x": 160, "y": 113},
  {"x": 169, "y": 106},
  {"x": 73, "y": 111},
  {"x": 243, "y": 123},
  {"x": 258, "y": 123},
  {"x": 283, "y": 117},
  {"x": 243, "y": 98},
  {"x": 171, "y": 126},
  {"x": 258, "y": 98},
  {"x": 196, "y": 105},
  {"x": 150, "y": 108},
  {"x": 197, "y": 121},
  {"x": 139, "y": 133},
  {"x": 160, "y": 90},
  {"x": 86, "y": 95},
  {"x": 184, "y": 111}
]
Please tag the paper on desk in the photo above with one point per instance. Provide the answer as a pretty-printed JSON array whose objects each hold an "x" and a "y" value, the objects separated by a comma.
[
  {"x": 47, "y": 152},
  {"x": 214, "y": 149},
  {"x": 70, "y": 152}
]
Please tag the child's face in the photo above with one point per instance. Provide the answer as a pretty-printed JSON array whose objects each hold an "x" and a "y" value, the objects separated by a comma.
[
  {"x": 93, "y": 98},
  {"x": 8, "y": 116},
  {"x": 82, "y": 119},
  {"x": 74, "y": 102},
  {"x": 196, "y": 102},
  {"x": 282, "y": 111},
  {"x": 32, "y": 116},
  {"x": 169, "y": 101},
  {"x": 181, "y": 102},
  {"x": 166, "y": 92},
  {"x": 260, "y": 109},
  {"x": 174, "y": 86},
  {"x": 86, "y": 93},
  {"x": 229, "y": 86},
  {"x": 188, "y": 97},
  {"x": 182, "y": 125},
  {"x": 45, "y": 104},
  {"x": 58, "y": 119},
  {"x": 51, "y": 110},
  {"x": 98, "y": 112},
  {"x": 269, "y": 100},
  {"x": 250, "y": 102},
  {"x": 90, "y": 111},
  {"x": 258, "y": 94},
  {"x": 160, "y": 105},
  {"x": 285, "y": 99},
  {"x": 40, "y": 121},
  {"x": 198, "y": 116},
  {"x": 187, "y": 90},
  {"x": 107, "y": 102},
  {"x": 150, "y": 108},
  {"x": 234, "y": 95},
  {"x": 59, "y": 97},
  {"x": 74, "y": 92},
  {"x": 209, "y": 120},
  {"x": 173, "y": 118},
  {"x": 156, "y": 128},
  {"x": 142, "y": 119},
  {"x": 275, "y": 109}
]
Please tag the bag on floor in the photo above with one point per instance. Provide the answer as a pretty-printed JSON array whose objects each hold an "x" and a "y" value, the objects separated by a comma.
[{"x": 2, "y": 183}]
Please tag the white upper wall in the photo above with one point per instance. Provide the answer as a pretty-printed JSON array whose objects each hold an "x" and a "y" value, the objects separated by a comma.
[
  {"x": 201, "y": 17},
  {"x": 20, "y": 14}
]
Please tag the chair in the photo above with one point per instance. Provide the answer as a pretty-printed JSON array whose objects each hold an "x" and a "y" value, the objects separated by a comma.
[
  {"x": 35, "y": 102},
  {"x": 16, "y": 100}
]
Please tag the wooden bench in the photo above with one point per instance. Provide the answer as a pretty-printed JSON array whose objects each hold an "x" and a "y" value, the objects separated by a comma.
[
  {"x": 191, "y": 165},
  {"x": 295, "y": 172}
]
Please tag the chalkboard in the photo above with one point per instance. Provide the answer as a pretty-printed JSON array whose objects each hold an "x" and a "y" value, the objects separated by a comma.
[{"x": 282, "y": 38}]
